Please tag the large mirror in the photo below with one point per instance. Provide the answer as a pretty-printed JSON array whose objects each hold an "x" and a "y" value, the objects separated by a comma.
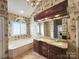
[
  {"x": 61, "y": 28},
  {"x": 58, "y": 28}
]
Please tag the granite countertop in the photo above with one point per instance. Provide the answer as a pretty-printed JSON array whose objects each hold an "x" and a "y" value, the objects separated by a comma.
[{"x": 60, "y": 44}]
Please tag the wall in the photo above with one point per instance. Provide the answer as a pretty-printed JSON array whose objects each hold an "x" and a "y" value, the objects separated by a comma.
[
  {"x": 4, "y": 39},
  {"x": 46, "y": 29},
  {"x": 42, "y": 29},
  {"x": 73, "y": 11},
  {"x": 11, "y": 18},
  {"x": 34, "y": 28}
]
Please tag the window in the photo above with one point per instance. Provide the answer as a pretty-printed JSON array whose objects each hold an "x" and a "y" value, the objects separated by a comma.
[
  {"x": 23, "y": 28},
  {"x": 18, "y": 28},
  {"x": 41, "y": 29},
  {"x": 15, "y": 29}
]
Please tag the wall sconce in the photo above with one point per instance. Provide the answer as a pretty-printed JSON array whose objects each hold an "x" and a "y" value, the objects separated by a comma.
[{"x": 73, "y": 24}]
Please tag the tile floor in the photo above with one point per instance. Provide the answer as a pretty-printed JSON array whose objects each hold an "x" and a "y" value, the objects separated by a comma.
[{"x": 31, "y": 55}]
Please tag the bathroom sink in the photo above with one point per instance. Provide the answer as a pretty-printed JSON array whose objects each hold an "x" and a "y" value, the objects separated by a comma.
[{"x": 58, "y": 42}]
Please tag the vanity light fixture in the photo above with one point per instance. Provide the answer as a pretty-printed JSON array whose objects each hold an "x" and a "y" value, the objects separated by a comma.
[
  {"x": 39, "y": 20},
  {"x": 31, "y": 4},
  {"x": 57, "y": 15},
  {"x": 21, "y": 11},
  {"x": 58, "y": 18},
  {"x": 28, "y": 0},
  {"x": 39, "y": 0},
  {"x": 46, "y": 18},
  {"x": 37, "y": 3}
]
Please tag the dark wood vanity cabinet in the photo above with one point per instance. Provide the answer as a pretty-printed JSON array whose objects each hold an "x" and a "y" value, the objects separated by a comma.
[{"x": 48, "y": 50}]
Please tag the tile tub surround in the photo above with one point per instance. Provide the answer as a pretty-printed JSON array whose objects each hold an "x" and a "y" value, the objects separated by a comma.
[{"x": 18, "y": 47}]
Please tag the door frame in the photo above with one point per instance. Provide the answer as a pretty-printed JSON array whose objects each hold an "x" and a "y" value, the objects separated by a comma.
[{"x": 77, "y": 36}]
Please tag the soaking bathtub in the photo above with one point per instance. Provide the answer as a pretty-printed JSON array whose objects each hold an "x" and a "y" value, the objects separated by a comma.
[{"x": 18, "y": 47}]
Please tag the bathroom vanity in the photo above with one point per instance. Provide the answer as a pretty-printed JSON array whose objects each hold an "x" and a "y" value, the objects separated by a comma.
[{"x": 50, "y": 48}]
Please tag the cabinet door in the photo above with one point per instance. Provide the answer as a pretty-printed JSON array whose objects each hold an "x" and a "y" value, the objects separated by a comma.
[
  {"x": 53, "y": 56},
  {"x": 56, "y": 52},
  {"x": 36, "y": 46},
  {"x": 44, "y": 48}
]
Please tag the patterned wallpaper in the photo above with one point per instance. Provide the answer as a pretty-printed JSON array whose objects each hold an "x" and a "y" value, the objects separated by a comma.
[
  {"x": 3, "y": 13},
  {"x": 13, "y": 17},
  {"x": 73, "y": 11},
  {"x": 45, "y": 4}
]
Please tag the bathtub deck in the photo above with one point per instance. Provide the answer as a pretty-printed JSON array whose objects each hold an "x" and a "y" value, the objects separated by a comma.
[
  {"x": 18, "y": 47},
  {"x": 30, "y": 55}
]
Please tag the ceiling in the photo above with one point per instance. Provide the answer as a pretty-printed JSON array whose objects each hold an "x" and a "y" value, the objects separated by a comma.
[{"x": 20, "y": 7}]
